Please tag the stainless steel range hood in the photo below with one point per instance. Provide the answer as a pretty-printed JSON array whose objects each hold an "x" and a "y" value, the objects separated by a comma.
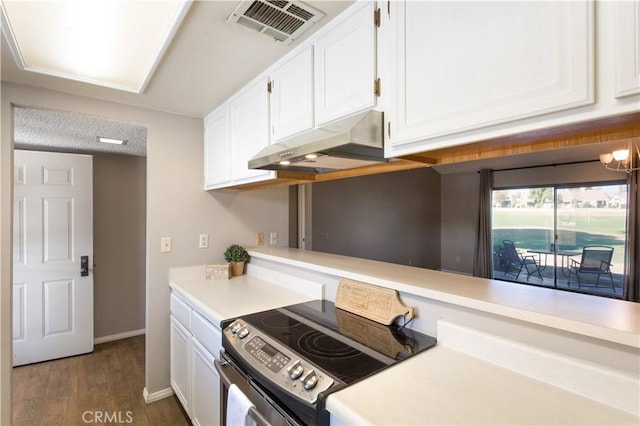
[{"x": 353, "y": 142}]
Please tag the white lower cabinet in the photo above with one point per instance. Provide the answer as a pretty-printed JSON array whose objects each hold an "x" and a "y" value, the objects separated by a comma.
[
  {"x": 194, "y": 378},
  {"x": 205, "y": 387},
  {"x": 181, "y": 363}
]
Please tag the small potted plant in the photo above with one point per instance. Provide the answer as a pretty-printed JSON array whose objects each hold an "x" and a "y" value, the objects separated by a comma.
[{"x": 236, "y": 255}]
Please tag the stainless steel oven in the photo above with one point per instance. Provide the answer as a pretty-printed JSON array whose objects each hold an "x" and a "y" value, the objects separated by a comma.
[
  {"x": 288, "y": 360},
  {"x": 265, "y": 411}
]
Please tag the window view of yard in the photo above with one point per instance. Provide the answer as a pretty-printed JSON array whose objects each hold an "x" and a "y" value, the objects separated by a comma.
[{"x": 578, "y": 217}]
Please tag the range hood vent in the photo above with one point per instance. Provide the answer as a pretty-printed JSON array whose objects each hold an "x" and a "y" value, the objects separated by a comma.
[
  {"x": 353, "y": 142},
  {"x": 280, "y": 19}
]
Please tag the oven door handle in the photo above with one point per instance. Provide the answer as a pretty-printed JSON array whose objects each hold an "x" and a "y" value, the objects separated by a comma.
[
  {"x": 253, "y": 413},
  {"x": 223, "y": 376}
]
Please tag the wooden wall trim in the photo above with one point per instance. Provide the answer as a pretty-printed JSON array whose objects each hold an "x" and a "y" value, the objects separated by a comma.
[{"x": 624, "y": 129}]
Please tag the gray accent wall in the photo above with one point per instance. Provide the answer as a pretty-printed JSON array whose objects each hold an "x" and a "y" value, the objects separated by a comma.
[
  {"x": 119, "y": 240},
  {"x": 460, "y": 200},
  {"x": 391, "y": 217}
]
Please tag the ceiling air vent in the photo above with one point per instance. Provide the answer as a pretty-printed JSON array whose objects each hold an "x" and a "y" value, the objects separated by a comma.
[{"x": 283, "y": 20}]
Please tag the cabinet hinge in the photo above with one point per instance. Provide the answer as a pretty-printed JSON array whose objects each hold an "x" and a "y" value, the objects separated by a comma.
[
  {"x": 376, "y": 87},
  {"x": 269, "y": 86},
  {"x": 376, "y": 17}
]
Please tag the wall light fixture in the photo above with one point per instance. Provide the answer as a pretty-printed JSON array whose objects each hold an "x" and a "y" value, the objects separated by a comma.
[{"x": 622, "y": 160}]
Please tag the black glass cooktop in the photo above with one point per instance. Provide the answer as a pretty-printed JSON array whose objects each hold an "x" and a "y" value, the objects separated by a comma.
[{"x": 345, "y": 345}]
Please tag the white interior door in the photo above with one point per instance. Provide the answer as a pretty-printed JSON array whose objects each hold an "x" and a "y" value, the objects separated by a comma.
[{"x": 53, "y": 230}]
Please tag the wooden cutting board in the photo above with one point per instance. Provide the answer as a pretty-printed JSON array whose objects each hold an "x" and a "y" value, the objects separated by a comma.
[
  {"x": 370, "y": 301},
  {"x": 371, "y": 334}
]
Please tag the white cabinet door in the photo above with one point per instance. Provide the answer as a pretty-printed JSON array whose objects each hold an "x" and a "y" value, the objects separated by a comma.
[
  {"x": 249, "y": 130},
  {"x": 627, "y": 48},
  {"x": 459, "y": 66},
  {"x": 217, "y": 167},
  {"x": 180, "y": 342},
  {"x": 292, "y": 96},
  {"x": 205, "y": 405},
  {"x": 345, "y": 66}
]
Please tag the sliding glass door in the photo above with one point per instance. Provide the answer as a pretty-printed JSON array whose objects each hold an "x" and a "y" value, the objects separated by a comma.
[{"x": 566, "y": 237}]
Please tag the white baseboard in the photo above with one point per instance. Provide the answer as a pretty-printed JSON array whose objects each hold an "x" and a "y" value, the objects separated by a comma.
[
  {"x": 125, "y": 335},
  {"x": 156, "y": 396}
]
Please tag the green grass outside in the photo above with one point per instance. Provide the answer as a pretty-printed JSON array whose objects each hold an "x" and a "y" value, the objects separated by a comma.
[{"x": 531, "y": 229}]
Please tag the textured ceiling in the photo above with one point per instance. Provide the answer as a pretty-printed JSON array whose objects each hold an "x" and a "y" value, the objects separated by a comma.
[{"x": 74, "y": 132}]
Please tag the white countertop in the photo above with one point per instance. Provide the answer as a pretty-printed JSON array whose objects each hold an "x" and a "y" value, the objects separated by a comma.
[
  {"x": 603, "y": 318},
  {"x": 442, "y": 386},
  {"x": 223, "y": 299}
]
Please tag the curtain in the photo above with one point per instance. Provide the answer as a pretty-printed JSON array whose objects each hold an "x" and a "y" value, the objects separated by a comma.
[
  {"x": 632, "y": 282},
  {"x": 483, "y": 258}
]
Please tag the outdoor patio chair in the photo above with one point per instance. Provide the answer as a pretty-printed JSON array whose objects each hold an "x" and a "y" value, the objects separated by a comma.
[
  {"x": 596, "y": 260},
  {"x": 520, "y": 261}
]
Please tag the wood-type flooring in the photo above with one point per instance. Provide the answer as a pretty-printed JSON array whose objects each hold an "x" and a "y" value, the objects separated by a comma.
[{"x": 104, "y": 387}]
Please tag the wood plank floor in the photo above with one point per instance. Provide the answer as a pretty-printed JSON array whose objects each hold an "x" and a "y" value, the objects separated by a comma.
[{"x": 104, "y": 387}]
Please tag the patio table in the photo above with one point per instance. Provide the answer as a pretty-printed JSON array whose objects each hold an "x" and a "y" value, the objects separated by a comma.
[{"x": 564, "y": 259}]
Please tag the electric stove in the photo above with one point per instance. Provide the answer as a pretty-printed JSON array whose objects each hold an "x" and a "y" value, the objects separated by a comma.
[{"x": 299, "y": 354}]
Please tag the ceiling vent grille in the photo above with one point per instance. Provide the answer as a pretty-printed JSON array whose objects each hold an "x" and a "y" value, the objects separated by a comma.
[{"x": 282, "y": 20}]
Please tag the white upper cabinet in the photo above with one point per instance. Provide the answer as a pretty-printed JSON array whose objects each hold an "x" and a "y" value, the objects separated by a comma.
[
  {"x": 235, "y": 132},
  {"x": 292, "y": 95},
  {"x": 345, "y": 65},
  {"x": 459, "y": 66},
  {"x": 249, "y": 130},
  {"x": 217, "y": 168},
  {"x": 627, "y": 47}
]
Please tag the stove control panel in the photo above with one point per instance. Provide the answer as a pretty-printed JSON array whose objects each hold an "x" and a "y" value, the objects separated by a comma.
[{"x": 277, "y": 363}]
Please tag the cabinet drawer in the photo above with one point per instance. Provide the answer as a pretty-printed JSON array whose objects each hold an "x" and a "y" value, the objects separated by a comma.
[
  {"x": 181, "y": 311},
  {"x": 206, "y": 333}
]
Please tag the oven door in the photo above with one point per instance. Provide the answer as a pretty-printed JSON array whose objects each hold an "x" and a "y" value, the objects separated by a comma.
[{"x": 265, "y": 412}]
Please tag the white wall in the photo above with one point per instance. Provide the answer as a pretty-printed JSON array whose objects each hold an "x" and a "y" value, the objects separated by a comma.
[
  {"x": 6, "y": 257},
  {"x": 176, "y": 207}
]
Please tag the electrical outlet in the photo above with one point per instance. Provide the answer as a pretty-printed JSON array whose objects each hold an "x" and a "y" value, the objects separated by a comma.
[
  {"x": 273, "y": 238},
  {"x": 203, "y": 242},
  {"x": 165, "y": 245},
  {"x": 260, "y": 238}
]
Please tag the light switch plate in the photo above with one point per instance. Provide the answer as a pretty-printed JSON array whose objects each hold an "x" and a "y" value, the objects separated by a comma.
[
  {"x": 273, "y": 238},
  {"x": 165, "y": 245}
]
